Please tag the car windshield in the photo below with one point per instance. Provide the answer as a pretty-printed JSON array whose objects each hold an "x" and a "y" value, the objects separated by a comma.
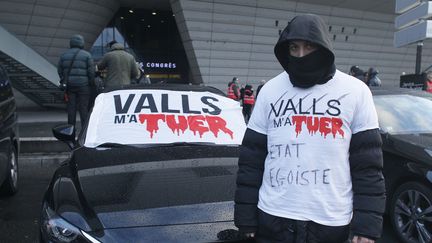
[{"x": 401, "y": 114}]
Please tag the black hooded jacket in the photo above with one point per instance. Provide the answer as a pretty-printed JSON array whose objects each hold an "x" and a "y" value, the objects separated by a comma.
[
  {"x": 82, "y": 71},
  {"x": 309, "y": 28},
  {"x": 365, "y": 155}
]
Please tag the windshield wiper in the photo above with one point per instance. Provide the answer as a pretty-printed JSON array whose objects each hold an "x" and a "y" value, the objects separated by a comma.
[
  {"x": 112, "y": 145},
  {"x": 176, "y": 144}
]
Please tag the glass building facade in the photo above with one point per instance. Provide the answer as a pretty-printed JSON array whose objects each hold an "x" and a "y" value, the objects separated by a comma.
[{"x": 153, "y": 38}]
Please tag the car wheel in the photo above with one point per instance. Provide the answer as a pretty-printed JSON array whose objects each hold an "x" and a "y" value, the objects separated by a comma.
[
  {"x": 411, "y": 213},
  {"x": 10, "y": 185}
]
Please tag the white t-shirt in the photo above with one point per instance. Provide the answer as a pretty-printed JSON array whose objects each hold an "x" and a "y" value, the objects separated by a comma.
[{"x": 307, "y": 172}]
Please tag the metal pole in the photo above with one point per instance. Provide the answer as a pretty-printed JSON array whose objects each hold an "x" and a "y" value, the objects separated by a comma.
[{"x": 418, "y": 57}]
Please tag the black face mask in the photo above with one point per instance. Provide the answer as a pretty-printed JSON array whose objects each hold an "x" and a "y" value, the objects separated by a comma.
[{"x": 314, "y": 68}]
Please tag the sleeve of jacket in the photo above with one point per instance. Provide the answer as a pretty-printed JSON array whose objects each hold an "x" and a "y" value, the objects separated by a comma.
[
  {"x": 366, "y": 163},
  {"x": 253, "y": 152}
]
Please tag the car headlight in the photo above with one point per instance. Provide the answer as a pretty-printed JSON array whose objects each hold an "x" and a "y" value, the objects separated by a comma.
[{"x": 56, "y": 229}]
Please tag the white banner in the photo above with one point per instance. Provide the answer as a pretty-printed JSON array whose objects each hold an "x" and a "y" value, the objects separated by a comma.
[{"x": 163, "y": 117}]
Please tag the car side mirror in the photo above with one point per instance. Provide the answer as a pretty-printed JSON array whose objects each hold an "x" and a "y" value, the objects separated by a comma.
[{"x": 65, "y": 133}]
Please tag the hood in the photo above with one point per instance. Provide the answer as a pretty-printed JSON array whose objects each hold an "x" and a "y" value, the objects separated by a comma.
[
  {"x": 119, "y": 188},
  {"x": 307, "y": 27},
  {"x": 76, "y": 41},
  {"x": 117, "y": 46},
  {"x": 194, "y": 223},
  {"x": 413, "y": 146}
]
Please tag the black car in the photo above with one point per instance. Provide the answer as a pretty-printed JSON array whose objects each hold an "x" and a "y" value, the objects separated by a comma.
[
  {"x": 154, "y": 164},
  {"x": 405, "y": 118},
  {"x": 9, "y": 137},
  {"x": 122, "y": 185}
]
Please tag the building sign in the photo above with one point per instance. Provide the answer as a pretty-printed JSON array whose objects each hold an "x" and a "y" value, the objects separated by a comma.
[
  {"x": 168, "y": 65},
  {"x": 413, "y": 23},
  {"x": 413, "y": 81}
]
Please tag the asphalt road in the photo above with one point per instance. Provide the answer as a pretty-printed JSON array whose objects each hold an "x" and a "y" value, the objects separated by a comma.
[{"x": 19, "y": 215}]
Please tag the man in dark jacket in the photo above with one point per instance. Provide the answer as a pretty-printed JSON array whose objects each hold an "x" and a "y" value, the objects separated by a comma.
[
  {"x": 120, "y": 65},
  {"x": 358, "y": 73},
  {"x": 310, "y": 165},
  {"x": 233, "y": 89},
  {"x": 372, "y": 77},
  {"x": 77, "y": 70},
  {"x": 248, "y": 101}
]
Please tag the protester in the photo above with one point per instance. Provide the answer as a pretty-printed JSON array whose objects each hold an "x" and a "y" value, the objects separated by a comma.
[
  {"x": 259, "y": 87},
  {"x": 428, "y": 83},
  {"x": 310, "y": 164},
  {"x": 372, "y": 77},
  {"x": 358, "y": 73},
  {"x": 121, "y": 66},
  {"x": 233, "y": 89},
  {"x": 248, "y": 101},
  {"x": 77, "y": 72},
  {"x": 242, "y": 90},
  {"x": 142, "y": 78}
]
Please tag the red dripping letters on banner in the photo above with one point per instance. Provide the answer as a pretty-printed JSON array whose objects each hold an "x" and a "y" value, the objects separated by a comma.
[
  {"x": 324, "y": 125},
  {"x": 152, "y": 122},
  {"x": 175, "y": 126},
  {"x": 195, "y": 123}
]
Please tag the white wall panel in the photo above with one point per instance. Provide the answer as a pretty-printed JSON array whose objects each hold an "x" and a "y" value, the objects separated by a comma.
[
  {"x": 55, "y": 22},
  {"x": 237, "y": 37}
]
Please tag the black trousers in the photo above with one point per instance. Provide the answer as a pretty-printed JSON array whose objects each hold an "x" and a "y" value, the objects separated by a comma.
[
  {"x": 78, "y": 100},
  {"x": 276, "y": 229},
  {"x": 247, "y": 110}
]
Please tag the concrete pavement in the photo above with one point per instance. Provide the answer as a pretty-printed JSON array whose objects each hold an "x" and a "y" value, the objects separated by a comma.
[{"x": 35, "y": 130}]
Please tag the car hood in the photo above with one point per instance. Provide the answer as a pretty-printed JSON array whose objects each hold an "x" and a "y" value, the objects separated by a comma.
[
  {"x": 414, "y": 146},
  {"x": 174, "y": 215},
  {"x": 128, "y": 192}
]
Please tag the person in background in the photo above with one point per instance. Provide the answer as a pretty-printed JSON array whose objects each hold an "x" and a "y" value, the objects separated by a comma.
[
  {"x": 242, "y": 90},
  {"x": 428, "y": 82},
  {"x": 143, "y": 78},
  {"x": 372, "y": 77},
  {"x": 355, "y": 71},
  {"x": 120, "y": 66},
  {"x": 310, "y": 163},
  {"x": 248, "y": 102},
  {"x": 259, "y": 87},
  {"x": 77, "y": 72},
  {"x": 233, "y": 89}
]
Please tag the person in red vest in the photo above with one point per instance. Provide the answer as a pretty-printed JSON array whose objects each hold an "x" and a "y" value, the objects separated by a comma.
[
  {"x": 428, "y": 83},
  {"x": 248, "y": 102},
  {"x": 233, "y": 89}
]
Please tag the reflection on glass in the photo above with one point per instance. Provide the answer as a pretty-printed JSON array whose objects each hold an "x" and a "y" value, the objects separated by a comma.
[{"x": 398, "y": 114}]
